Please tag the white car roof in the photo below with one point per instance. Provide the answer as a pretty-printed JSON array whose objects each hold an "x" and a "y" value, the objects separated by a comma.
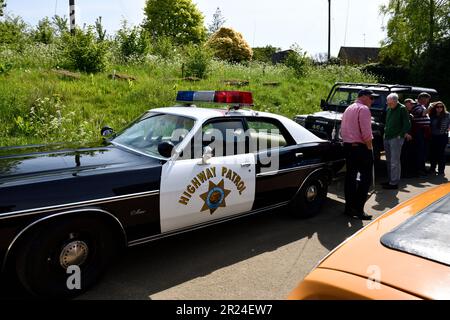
[{"x": 298, "y": 132}]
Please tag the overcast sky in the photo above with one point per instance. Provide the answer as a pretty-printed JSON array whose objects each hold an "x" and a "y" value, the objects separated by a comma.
[{"x": 280, "y": 23}]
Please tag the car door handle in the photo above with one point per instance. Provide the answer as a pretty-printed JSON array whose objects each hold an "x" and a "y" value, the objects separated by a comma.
[
  {"x": 299, "y": 155},
  {"x": 246, "y": 165}
]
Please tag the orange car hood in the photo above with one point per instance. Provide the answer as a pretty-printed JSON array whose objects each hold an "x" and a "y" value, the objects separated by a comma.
[{"x": 372, "y": 260}]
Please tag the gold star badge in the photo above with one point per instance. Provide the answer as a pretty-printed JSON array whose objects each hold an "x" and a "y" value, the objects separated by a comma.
[{"x": 215, "y": 197}]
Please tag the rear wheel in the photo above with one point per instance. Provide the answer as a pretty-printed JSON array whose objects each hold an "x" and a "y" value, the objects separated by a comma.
[
  {"x": 48, "y": 259},
  {"x": 311, "y": 197}
]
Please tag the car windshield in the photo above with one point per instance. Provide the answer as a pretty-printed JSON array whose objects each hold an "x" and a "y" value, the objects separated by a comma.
[
  {"x": 345, "y": 97},
  {"x": 145, "y": 134}
]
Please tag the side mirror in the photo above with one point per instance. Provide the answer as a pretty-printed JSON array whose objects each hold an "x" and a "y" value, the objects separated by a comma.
[
  {"x": 106, "y": 131},
  {"x": 165, "y": 149},
  {"x": 323, "y": 103},
  {"x": 207, "y": 155}
]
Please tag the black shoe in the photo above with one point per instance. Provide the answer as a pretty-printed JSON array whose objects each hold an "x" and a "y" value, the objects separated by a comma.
[
  {"x": 350, "y": 212},
  {"x": 364, "y": 216},
  {"x": 390, "y": 186},
  {"x": 385, "y": 184}
]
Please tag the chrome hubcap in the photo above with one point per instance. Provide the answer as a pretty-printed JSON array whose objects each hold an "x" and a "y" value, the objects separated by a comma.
[
  {"x": 311, "y": 193},
  {"x": 74, "y": 253}
]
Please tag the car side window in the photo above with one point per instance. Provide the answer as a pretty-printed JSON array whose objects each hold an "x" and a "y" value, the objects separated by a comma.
[
  {"x": 225, "y": 137},
  {"x": 265, "y": 135}
]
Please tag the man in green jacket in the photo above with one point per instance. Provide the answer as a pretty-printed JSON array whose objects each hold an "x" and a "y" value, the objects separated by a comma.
[{"x": 395, "y": 132}]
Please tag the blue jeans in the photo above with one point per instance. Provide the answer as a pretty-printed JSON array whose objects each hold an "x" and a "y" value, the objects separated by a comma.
[{"x": 393, "y": 149}]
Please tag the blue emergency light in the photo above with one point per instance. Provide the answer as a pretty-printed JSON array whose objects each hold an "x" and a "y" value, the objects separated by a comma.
[{"x": 235, "y": 98}]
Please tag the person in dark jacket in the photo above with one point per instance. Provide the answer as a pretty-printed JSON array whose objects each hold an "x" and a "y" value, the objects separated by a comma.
[
  {"x": 440, "y": 125},
  {"x": 408, "y": 166},
  {"x": 421, "y": 132}
]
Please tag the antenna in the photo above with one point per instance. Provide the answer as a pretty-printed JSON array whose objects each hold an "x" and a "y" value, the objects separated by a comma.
[{"x": 254, "y": 33}]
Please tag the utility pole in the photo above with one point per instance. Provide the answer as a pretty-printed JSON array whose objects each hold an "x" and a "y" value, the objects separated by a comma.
[
  {"x": 72, "y": 15},
  {"x": 329, "y": 30}
]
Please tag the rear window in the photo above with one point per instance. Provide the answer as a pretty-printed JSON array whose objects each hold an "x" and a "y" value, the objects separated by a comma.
[
  {"x": 425, "y": 235},
  {"x": 265, "y": 135}
]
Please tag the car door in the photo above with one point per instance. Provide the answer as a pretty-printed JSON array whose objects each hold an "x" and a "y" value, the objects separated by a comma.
[
  {"x": 281, "y": 167},
  {"x": 193, "y": 193}
]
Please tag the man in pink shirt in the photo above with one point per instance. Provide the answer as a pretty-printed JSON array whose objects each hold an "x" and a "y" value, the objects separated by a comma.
[{"x": 356, "y": 131}]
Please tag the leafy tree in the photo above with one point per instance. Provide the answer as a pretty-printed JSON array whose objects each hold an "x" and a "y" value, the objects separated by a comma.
[
  {"x": 14, "y": 32},
  {"x": 164, "y": 48},
  {"x": 413, "y": 27},
  {"x": 298, "y": 61},
  {"x": 433, "y": 68},
  {"x": 133, "y": 42},
  {"x": 60, "y": 24},
  {"x": 44, "y": 33},
  {"x": 2, "y": 7},
  {"x": 179, "y": 20},
  {"x": 230, "y": 45},
  {"x": 81, "y": 51},
  {"x": 217, "y": 23},
  {"x": 101, "y": 32},
  {"x": 197, "y": 61}
]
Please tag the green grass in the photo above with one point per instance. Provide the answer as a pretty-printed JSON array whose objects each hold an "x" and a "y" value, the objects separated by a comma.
[{"x": 95, "y": 100}]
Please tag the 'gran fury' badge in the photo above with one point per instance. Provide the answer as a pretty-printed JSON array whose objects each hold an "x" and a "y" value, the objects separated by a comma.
[{"x": 215, "y": 197}]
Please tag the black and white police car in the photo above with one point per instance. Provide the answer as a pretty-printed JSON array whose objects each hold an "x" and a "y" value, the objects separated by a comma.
[{"x": 172, "y": 170}]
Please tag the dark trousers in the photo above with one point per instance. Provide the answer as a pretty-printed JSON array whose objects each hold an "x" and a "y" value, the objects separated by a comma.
[
  {"x": 420, "y": 150},
  {"x": 437, "y": 152},
  {"x": 359, "y": 159},
  {"x": 408, "y": 158}
]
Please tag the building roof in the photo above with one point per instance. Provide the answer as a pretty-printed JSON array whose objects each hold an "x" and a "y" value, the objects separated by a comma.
[{"x": 359, "y": 55}]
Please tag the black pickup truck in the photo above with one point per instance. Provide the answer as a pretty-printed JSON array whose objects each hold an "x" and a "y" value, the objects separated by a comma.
[{"x": 327, "y": 123}]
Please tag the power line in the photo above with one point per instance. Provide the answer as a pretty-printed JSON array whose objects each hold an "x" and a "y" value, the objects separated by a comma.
[
  {"x": 346, "y": 22},
  {"x": 124, "y": 10},
  {"x": 329, "y": 29}
]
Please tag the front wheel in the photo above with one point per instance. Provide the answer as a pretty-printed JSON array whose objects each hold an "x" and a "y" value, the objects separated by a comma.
[
  {"x": 309, "y": 200},
  {"x": 64, "y": 258}
]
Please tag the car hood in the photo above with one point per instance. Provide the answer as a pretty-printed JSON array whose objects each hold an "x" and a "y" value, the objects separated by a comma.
[
  {"x": 328, "y": 115},
  {"x": 28, "y": 162},
  {"x": 364, "y": 255}
]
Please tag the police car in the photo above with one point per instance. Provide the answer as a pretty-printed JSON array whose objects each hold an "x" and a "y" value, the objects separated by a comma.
[{"x": 67, "y": 209}]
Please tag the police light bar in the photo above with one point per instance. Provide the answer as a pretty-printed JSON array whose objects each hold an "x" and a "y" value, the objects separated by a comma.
[{"x": 239, "y": 98}]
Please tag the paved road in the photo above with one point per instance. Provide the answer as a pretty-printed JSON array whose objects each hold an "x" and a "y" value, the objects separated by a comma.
[{"x": 259, "y": 257}]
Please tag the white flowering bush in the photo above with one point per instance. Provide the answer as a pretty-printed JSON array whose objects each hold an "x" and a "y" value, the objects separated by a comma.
[{"x": 49, "y": 120}]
